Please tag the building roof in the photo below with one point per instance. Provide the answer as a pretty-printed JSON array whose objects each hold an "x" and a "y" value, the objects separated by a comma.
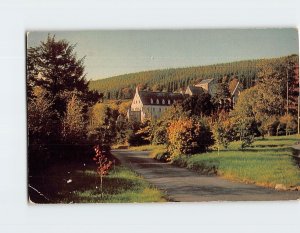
[
  {"x": 146, "y": 97},
  {"x": 206, "y": 81},
  {"x": 195, "y": 90},
  {"x": 234, "y": 85}
]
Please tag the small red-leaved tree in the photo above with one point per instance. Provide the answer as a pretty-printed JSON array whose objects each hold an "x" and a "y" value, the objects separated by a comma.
[{"x": 103, "y": 163}]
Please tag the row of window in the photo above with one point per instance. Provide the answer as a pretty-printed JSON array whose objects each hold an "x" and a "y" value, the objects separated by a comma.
[
  {"x": 162, "y": 102},
  {"x": 157, "y": 101}
]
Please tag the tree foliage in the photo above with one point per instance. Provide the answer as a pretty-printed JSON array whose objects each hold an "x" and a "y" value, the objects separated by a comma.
[
  {"x": 198, "y": 105},
  {"x": 188, "y": 136},
  {"x": 223, "y": 132},
  {"x": 244, "y": 117},
  {"x": 260, "y": 108},
  {"x": 41, "y": 117},
  {"x": 73, "y": 122},
  {"x": 173, "y": 80},
  {"x": 221, "y": 99},
  {"x": 103, "y": 165},
  {"x": 58, "y": 99},
  {"x": 54, "y": 66},
  {"x": 103, "y": 131}
]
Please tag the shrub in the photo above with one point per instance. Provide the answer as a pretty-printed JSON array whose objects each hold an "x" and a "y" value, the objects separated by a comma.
[
  {"x": 188, "y": 136},
  {"x": 138, "y": 134},
  {"x": 179, "y": 160},
  {"x": 159, "y": 134},
  {"x": 205, "y": 167},
  {"x": 160, "y": 154},
  {"x": 223, "y": 133},
  {"x": 290, "y": 123},
  {"x": 247, "y": 140},
  {"x": 134, "y": 139}
]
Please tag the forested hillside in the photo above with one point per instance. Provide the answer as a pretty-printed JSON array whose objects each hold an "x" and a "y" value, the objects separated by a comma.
[{"x": 172, "y": 80}]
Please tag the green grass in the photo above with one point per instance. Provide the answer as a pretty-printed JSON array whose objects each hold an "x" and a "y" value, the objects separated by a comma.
[
  {"x": 267, "y": 162},
  {"x": 121, "y": 186},
  {"x": 146, "y": 147}
]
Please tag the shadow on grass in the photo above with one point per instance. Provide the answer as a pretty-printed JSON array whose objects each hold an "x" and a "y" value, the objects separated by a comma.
[
  {"x": 268, "y": 145},
  {"x": 78, "y": 186},
  {"x": 267, "y": 150},
  {"x": 278, "y": 138}
]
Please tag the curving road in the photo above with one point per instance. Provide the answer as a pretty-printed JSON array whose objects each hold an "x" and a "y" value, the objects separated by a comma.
[{"x": 181, "y": 184}]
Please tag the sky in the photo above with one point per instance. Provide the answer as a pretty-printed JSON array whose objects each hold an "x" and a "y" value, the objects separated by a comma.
[{"x": 111, "y": 53}]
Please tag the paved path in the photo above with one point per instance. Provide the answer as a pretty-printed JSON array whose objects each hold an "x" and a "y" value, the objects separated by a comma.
[{"x": 181, "y": 184}]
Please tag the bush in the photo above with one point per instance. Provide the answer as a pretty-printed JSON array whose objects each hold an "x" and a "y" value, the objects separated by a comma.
[
  {"x": 247, "y": 140},
  {"x": 188, "y": 136},
  {"x": 138, "y": 134},
  {"x": 179, "y": 160},
  {"x": 223, "y": 133},
  {"x": 134, "y": 139},
  {"x": 159, "y": 134},
  {"x": 160, "y": 154},
  {"x": 208, "y": 167}
]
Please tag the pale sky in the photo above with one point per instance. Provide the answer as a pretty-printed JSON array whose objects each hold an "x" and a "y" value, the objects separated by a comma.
[{"x": 110, "y": 53}]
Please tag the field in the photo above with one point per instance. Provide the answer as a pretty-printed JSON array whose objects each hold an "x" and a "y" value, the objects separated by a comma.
[
  {"x": 121, "y": 185},
  {"x": 267, "y": 162}
]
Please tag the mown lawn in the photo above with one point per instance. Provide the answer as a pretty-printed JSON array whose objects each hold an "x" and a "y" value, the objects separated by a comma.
[
  {"x": 267, "y": 162},
  {"x": 120, "y": 186}
]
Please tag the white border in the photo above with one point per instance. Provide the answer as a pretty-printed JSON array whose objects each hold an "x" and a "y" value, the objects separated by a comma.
[{"x": 17, "y": 17}]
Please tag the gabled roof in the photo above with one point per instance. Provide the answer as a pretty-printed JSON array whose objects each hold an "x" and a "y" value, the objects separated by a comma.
[
  {"x": 146, "y": 97},
  {"x": 195, "y": 90},
  {"x": 235, "y": 85},
  {"x": 206, "y": 81}
]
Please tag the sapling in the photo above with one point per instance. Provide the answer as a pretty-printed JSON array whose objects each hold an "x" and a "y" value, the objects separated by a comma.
[{"x": 103, "y": 163}]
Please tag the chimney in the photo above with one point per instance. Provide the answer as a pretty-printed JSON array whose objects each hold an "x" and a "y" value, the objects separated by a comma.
[{"x": 136, "y": 89}]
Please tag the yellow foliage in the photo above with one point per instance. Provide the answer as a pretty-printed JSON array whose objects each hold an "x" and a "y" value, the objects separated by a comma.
[{"x": 188, "y": 136}]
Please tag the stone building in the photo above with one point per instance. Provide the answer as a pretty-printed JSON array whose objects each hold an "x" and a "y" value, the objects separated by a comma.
[
  {"x": 151, "y": 105},
  {"x": 235, "y": 89},
  {"x": 206, "y": 85},
  {"x": 148, "y": 104}
]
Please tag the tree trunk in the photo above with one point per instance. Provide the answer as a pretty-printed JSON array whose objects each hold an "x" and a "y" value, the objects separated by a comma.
[{"x": 101, "y": 185}]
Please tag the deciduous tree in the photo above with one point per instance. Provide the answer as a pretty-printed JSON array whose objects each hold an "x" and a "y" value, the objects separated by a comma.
[
  {"x": 73, "y": 123},
  {"x": 188, "y": 136}
]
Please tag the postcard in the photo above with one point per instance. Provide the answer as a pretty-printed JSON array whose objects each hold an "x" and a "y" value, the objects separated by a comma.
[{"x": 134, "y": 116}]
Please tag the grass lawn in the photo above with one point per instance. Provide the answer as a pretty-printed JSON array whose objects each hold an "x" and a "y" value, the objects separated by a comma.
[
  {"x": 146, "y": 147},
  {"x": 121, "y": 185},
  {"x": 267, "y": 162}
]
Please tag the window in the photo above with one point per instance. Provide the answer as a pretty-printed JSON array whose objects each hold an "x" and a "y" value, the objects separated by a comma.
[
  {"x": 157, "y": 101},
  {"x": 151, "y": 101},
  {"x": 169, "y": 102},
  {"x": 163, "y": 101}
]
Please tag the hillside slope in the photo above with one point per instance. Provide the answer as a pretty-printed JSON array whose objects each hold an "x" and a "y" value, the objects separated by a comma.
[{"x": 172, "y": 80}]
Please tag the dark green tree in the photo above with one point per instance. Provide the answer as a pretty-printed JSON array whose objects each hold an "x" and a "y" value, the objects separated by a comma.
[
  {"x": 222, "y": 96},
  {"x": 54, "y": 66},
  {"x": 198, "y": 105}
]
